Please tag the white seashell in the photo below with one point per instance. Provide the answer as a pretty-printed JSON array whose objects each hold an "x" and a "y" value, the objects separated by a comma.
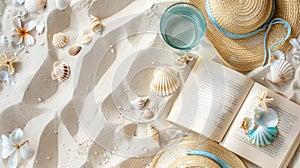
[
  {"x": 280, "y": 71},
  {"x": 139, "y": 102},
  {"x": 3, "y": 40},
  {"x": 86, "y": 39},
  {"x": 17, "y": 2},
  {"x": 5, "y": 77},
  {"x": 277, "y": 55},
  {"x": 61, "y": 4},
  {"x": 74, "y": 50},
  {"x": 40, "y": 27},
  {"x": 60, "y": 40},
  {"x": 295, "y": 43},
  {"x": 148, "y": 114},
  {"x": 263, "y": 118},
  {"x": 34, "y": 5},
  {"x": 95, "y": 24},
  {"x": 165, "y": 81},
  {"x": 61, "y": 71},
  {"x": 153, "y": 134},
  {"x": 262, "y": 135}
]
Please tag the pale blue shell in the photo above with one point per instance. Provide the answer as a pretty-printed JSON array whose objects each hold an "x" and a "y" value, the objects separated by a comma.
[
  {"x": 262, "y": 136},
  {"x": 263, "y": 118}
]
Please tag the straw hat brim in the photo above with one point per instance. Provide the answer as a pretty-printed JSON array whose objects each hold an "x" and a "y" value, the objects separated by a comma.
[
  {"x": 248, "y": 53},
  {"x": 174, "y": 154}
]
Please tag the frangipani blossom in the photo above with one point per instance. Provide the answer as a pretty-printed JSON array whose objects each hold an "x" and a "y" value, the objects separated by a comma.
[
  {"x": 8, "y": 62},
  {"x": 22, "y": 33},
  {"x": 13, "y": 147}
]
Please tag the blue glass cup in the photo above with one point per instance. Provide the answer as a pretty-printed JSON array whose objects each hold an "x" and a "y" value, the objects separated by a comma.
[{"x": 182, "y": 26}]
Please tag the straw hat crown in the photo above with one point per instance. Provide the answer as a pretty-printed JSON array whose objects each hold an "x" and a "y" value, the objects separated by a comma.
[{"x": 242, "y": 16}]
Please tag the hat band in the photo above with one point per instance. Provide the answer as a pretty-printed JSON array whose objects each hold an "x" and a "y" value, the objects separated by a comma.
[
  {"x": 211, "y": 156},
  {"x": 267, "y": 25}
]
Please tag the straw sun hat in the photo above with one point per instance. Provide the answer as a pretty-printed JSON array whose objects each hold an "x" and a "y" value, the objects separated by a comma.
[
  {"x": 195, "y": 152},
  {"x": 237, "y": 28}
]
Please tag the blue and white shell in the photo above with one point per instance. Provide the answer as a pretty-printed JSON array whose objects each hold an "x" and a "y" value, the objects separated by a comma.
[
  {"x": 262, "y": 135},
  {"x": 263, "y": 118}
]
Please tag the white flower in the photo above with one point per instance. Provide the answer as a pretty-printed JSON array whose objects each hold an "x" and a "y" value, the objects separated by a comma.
[
  {"x": 13, "y": 147},
  {"x": 22, "y": 33}
]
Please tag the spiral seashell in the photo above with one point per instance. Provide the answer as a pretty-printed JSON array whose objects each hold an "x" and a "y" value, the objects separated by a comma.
[
  {"x": 262, "y": 135},
  {"x": 165, "y": 81},
  {"x": 74, "y": 50},
  {"x": 60, "y": 40},
  {"x": 263, "y": 118},
  {"x": 61, "y": 4},
  {"x": 139, "y": 102},
  {"x": 86, "y": 39},
  {"x": 34, "y": 5},
  {"x": 153, "y": 134},
  {"x": 61, "y": 71},
  {"x": 95, "y": 24},
  {"x": 280, "y": 71}
]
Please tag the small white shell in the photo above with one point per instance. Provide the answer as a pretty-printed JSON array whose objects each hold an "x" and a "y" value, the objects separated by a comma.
[
  {"x": 153, "y": 134},
  {"x": 86, "y": 39},
  {"x": 95, "y": 24},
  {"x": 148, "y": 114},
  {"x": 263, "y": 118},
  {"x": 60, "y": 40},
  {"x": 17, "y": 2},
  {"x": 277, "y": 55},
  {"x": 74, "y": 50},
  {"x": 40, "y": 27},
  {"x": 280, "y": 71},
  {"x": 61, "y": 71},
  {"x": 165, "y": 81},
  {"x": 61, "y": 4},
  {"x": 34, "y": 5},
  {"x": 139, "y": 102}
]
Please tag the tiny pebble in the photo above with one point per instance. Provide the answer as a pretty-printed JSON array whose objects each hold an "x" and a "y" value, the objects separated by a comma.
[
  {"x": 36, "y": 161},
  {"x": 40, "y": 99},
  {"x": 48, "y": 157},
  {"x": 263, "y": 78},
  {"x": 55, "y": 132}
]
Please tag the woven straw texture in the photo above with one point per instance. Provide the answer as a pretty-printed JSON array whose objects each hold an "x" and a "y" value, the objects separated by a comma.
[
  {"x": 248, "y": 53},
  {"x": 173, "y": 155}
]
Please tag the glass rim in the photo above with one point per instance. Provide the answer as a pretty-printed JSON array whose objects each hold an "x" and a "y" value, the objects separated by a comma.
[{"x": 164, "y": 15}]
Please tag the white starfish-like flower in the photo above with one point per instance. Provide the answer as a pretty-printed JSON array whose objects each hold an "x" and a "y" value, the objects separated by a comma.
[
  {"x": 22, "y": 33},
  {"x": 13, "y": 147}
]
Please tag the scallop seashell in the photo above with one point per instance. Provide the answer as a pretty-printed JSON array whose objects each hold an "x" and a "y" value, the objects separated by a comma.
[
  {"x": 74, "y": 50},
  {"x": 139, "y": 102},
  {"x": 60, "y": 40},
  {"x": 95, "y": 24},
  {"x": 153, "y": 134},
  {"x": 17, "y": 2},
  {"x": 61, "y": 71},
  {"x": 61, "y": 4},
  {"x": 86, "y": 39},
  {"x": 263, "y": 118},
  {"x": 34, "y": 5},
  {"x": 280, "y": 71},
  {"x": 165, "y": 81},
  {"x": 262, "y": 135}
]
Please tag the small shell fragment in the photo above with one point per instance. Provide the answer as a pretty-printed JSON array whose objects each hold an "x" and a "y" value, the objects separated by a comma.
[
  {"x": 95, "y": 24},
  {"x": 60, "y": 40},
  {"x": 74, "y": 50},
  {"x": 139, "y": 102},
  {"x": 86, "y": 39},
  {"x": 153, "y": 134},
  {"x": 148, "y": 114},
  {"x": 61, "y": 71}
]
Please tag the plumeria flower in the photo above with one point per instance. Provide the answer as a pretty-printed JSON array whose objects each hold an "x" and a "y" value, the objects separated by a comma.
[
  {"x": 8, "y": 62},
  {"x": 22, "y": 33},
  {"x": 13, "y": 147}
]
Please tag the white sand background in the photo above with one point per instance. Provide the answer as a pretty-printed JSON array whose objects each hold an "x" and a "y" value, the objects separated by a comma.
[{"x": 61, "y": 130}]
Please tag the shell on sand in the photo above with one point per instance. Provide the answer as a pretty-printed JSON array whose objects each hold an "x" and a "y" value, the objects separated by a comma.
[
  {"x": 86, "y": 39},
  {"x": 34, "y": 5},
  {"x": 139, "y": 102},
  {"x": 60, "y": 40},
  {"x": 153, "y": 134},
  {"x": 280, "y": 71},
  {"x": 95, "y": 24},
  {"x": 61, "y": 71},
  {"x": 74, "y": 50}
]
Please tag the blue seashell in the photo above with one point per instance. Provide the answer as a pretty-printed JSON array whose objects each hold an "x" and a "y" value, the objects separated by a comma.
[
  {"x": 262, "y": 135},
  {"x": 263, "y": 118}
]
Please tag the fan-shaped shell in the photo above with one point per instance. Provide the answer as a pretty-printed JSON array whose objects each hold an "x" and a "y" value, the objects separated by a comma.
[
  {"x": 139, "y": 102},
  {"x": 262, "y": 136},
  {"x": 61, "y": 4},
  {"x": 34, "y": 5},
  {"x": 280, "y": 71},
  {"x": 61, "y": 71},
  {"x": 74, "y": 50},
  {"x": 263, "y": 118},
  {"x": 60, "y": 40},
  {"x": 165, "y": 81},
  {"x": 95, "y": 24},
  {"x": 153, "y": 134}
]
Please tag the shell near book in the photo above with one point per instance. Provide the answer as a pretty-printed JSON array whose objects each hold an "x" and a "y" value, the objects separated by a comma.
[
  {"x": 34, "y": 5},
  {"x": 95, "y": 24},
  {"x": 165, "y": 81},
  {"x": 61, "y": 71},
  {"x": 262, "y": 135},
  {"x": 153, "y": 134},
  {"x": 139, "y": 102},
  {"x": 60, "y": 40},
  {"x": 280, "y": 71},
  {"x": 263, "y": 118}
]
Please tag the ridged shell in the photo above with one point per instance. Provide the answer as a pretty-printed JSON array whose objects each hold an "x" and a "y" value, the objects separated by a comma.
[
  {"x": 165, "y": 81},
  {"x": 262, "y": 136},
  {"x": 153, "y": 134},
  {"x": 34, "y": 5},
  {"x": 61, "y": 4},
  {"x": 60, "y": 40},
  {"x": 280, "y": 71},
  {"x": 61, "y": 71},
  {"x": 95, "y": 24},
  {"x": 74, "y": 50},
  {"x": 263, "y": 118},
  {"x": 139, "y": 102},
  {"x": 86, "y": 39}
]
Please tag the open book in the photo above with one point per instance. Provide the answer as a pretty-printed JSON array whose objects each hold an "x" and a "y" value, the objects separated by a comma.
[{"x": 214, "y": 101}]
